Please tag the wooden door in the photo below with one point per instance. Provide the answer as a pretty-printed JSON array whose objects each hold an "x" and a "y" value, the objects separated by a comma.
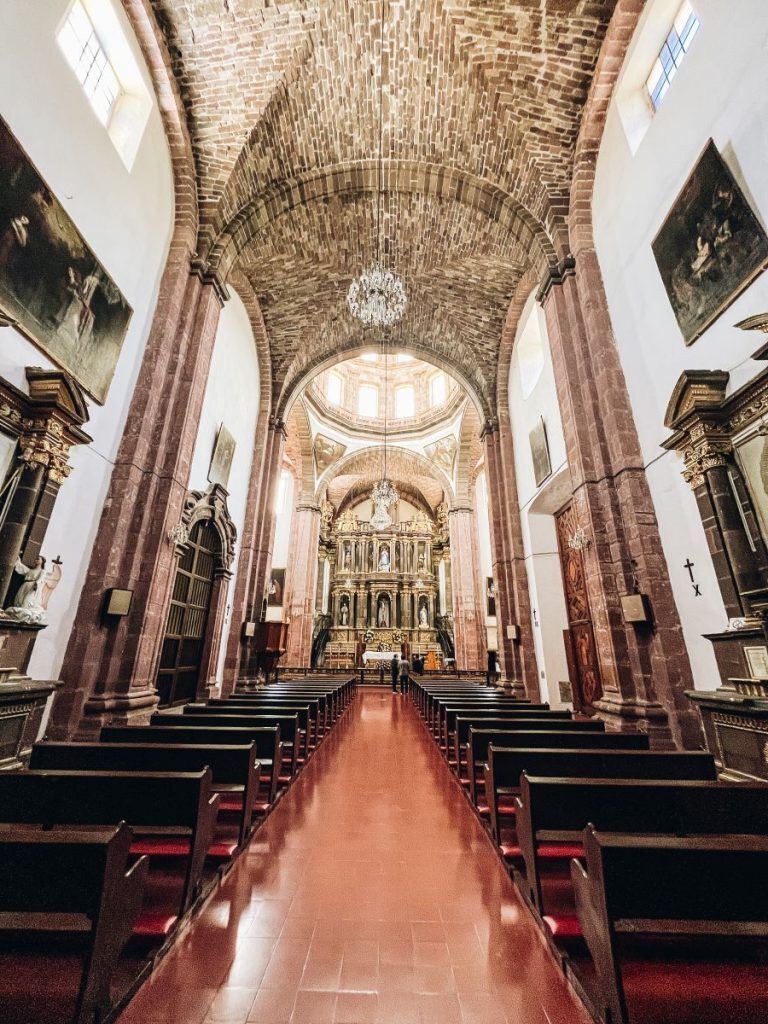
[
  {"x": 581, "y": 650},
  {"x": 184, "y": 638}
]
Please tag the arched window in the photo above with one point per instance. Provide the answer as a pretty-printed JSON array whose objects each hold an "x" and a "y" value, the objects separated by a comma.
[
  {"x": 437, "y": 390},
  {"x": 334, "y": 388},
  {"x": 368, "y": 400},
  {"x": 405, "y": 401}
]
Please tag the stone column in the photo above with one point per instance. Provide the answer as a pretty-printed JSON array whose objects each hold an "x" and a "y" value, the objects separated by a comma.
[
  {"x": 644, "y": 671},
  {"x": 513, "y": 605},
  {"x": 301, "y": 585},
  {"x": 110, "y": 667},
  {"x": 256, "y": 550},
  {"x": 468, "y": 621}
]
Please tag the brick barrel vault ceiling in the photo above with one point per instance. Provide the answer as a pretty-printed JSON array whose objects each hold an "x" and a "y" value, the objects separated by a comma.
[{"x": 277, "y": 94}]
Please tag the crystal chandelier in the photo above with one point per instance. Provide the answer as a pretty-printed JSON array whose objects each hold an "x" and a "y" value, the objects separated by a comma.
[{"x": 377, "y": 297}]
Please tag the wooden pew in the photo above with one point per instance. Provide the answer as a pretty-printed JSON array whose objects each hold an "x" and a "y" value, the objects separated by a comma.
[
  {"x": 287, "y": 724},
  {"x": 171, "y": 815},
  {"x": 711, "y": 886},
  {"x": 505, "y": 766},
  {"x": 543, "y": 735},
  {"x": 50, "y": 874},
  {"x": 234, "y": 769},
  {"x": 553, "y": 811},
  {"x": 271, "y": 704},
  {"x": 458, "y": 724},
  {"x": 266, "y": 738},
  {"x": 448, "y": 712},
  {"x": 301, "y": 711}
]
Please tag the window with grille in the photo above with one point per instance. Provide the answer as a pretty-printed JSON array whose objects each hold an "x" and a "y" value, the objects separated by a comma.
[
  {"x": 676, "y": 45},
  {"x": 85, "y": 55}
]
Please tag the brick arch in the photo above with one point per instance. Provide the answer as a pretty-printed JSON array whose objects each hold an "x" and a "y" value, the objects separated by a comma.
[
  {"x": 610, "y": 61},
  {"x": 469, "y": 453},
  {"x": 527, "y": 284},
  {"x": 166, "y": 88},
  {"x": 409, "y": 491},
  {"x": 438, "y": 181},
  {"x": 405, "y": 463},
  {"x": 240, "y": 284},
  {"x": 299, "y": 449}
]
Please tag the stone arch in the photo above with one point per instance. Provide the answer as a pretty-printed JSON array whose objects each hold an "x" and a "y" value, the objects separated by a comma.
[
  {"x": 240, "y": 284},
  {"x": 169, "y": 102},
  {"x": 610, "y": 61},
  {"x": 359, "y": 461},
  {"x": 209, "y": 506},
  {"x": 528, "y": 282},
  {"x": 299, "y": 449},
  {"x": 362, "y": 490},
  {"x": 469, "y": 453}
]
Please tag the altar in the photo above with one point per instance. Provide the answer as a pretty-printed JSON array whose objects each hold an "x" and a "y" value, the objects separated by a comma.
[{"x": 379, "y": 656}]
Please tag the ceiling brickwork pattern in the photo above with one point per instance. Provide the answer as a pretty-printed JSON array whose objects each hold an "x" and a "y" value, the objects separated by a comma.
[{"x": 479, "y": 106}]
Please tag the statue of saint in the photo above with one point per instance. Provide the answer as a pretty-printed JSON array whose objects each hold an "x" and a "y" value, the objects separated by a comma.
[
  {"x": 423, "y": 616},
  {"x": 344, "y": 613},
  {"x": 382, "y": 617},
  {"x": 384, "y": 560},
  {"x": 28, "y": 605}
]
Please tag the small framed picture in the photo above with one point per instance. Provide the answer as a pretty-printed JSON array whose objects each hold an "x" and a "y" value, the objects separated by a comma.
[{"x": 757, "y": 659}]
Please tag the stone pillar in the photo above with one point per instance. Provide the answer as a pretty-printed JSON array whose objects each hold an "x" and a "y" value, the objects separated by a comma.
[
  {"x": 256, "y": 548},
  {"x": 301, "y": 585},
  {"x": 110, "y": 667},
  {"x": 468, "y": 620},
  {"x": 645, "y": 671},
  {"x": 513, "y": 605}
]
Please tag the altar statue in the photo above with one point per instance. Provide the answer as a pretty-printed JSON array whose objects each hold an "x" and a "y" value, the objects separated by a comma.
[{"x": 384, "y": 560}]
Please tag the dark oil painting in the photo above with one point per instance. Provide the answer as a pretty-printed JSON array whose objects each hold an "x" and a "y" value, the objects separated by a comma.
[
  {"x": 51, "y": 283},
  {"x": 710, "y": 246}
]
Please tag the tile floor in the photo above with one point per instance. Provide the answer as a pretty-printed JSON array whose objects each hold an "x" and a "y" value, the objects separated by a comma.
[{"x": 370, "y": 896}]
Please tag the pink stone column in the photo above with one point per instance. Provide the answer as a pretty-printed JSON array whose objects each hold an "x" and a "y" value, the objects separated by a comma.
[
  {"x": 513, "y": 607},
  {"x": 645, "y": 670},
  {"x": 301, "y": 583},
  {"x": 110, "y": 667},
  {"x": 468, "y": 618},
  {"x": 256, "y": 547}
]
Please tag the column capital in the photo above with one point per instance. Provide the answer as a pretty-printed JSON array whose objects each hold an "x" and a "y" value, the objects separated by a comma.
[
  {"x": 202, "y": 270},
  {"x": 556, "y": 275}
]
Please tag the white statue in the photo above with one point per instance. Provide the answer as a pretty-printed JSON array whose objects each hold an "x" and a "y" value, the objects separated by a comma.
[
  {"x": 423, "y": 616},
  {"x": 384, "y": 560},
  {"x": 383, "y": 615},
  {"x": 344, "y": 613},
  {"x": 32, "y": 597}
]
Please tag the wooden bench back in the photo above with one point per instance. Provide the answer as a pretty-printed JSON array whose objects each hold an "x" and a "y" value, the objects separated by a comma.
[
  {"x": 266, "y": 738},
  {"x": 507, "y": 765}
]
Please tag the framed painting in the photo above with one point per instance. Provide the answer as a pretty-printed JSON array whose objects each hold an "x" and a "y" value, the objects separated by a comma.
[
  {"x": 542, "y": 467},
  {"x": 52, "y": 286},
  {"x": 221, "y": 460},
  {"x": 710, "y": 247},
  {"x": 490, "y": 597},
  {"x": 276, "y": 588}
]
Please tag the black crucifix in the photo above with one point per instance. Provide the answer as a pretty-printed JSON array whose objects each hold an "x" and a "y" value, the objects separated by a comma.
[{"x": 688, "y": 564}]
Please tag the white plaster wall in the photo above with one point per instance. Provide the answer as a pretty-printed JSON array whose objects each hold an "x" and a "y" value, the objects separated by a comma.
[
  {"x": 232, "y": 398},
  {"x": 538, "y": 503},
  {"x": 721, "y": 91},
  {"x": 127, "y": 220},
  {"x": 484, "y": 556}
]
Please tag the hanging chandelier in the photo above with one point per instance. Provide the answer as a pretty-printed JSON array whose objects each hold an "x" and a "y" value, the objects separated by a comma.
[{"x": 377, "y": 296}]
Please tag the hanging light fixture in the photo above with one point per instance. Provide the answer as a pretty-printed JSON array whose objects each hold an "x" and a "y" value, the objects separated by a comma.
[
  {"x": 384, "y": 495},
  {"x": 377, "y": 297}
]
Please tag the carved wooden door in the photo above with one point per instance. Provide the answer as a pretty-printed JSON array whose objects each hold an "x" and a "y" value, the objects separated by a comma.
[
  {"x": 580, "y": 640},
  {"x": 187, "y": 618}
]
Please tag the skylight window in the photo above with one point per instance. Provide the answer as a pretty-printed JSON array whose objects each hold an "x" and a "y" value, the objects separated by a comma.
[
  {"x": 370, "y": 357},
  {"x": 368, "y": 401},
  {"x": 676, "y": 45},
  {"x": 85, "y": 55},
  {"x": 333, "y": 389},
  {"x": 437, "y": 390},
  {"x": 405, "y": 402}
]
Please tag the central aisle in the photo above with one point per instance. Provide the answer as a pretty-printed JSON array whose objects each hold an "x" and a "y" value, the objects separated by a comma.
[{"x": 369, "y": 895}]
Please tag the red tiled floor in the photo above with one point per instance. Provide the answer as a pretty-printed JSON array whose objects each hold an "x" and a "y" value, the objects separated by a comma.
[{"x": 370, "y": 896}]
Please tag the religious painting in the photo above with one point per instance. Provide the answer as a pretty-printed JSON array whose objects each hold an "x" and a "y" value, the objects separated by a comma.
[
  {"x": 490, "y": 597},
  {"x": 542, "y": 467},
  {"x": 710, "y": 247},
  {"x": 276, "y": 588},
  {"x": 327, "y": 451},
  {"x": 51, "y": 283},
  {"x": 443, "y": 452},
  {"x": 221, "y": 460}
]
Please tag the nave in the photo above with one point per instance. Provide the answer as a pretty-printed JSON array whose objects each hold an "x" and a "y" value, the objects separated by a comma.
[{"x": 370, "y": 894}]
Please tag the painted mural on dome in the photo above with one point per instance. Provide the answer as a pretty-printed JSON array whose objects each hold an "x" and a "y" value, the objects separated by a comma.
[
  {"x": 710, "y": 246},
  {"x": 327, "y": 451},
  {"x": 51, "y": 284},
  {"x": 443, "y": 452}
]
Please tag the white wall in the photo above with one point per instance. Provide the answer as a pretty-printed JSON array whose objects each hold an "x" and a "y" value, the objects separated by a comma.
[
  {"x": 721, "y": 91},
  {"x": 232, "y": 398},
  {"x": 528, "y": 405},
  {"x": 127, "y": 220},
  {"x": 484, "y": 557}
]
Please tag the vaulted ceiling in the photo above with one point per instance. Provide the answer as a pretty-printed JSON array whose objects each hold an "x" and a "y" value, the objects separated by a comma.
[{"x": 476, "y": 104}]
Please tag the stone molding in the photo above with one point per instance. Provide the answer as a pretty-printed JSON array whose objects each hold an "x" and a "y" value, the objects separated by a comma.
[{"x": 210, "y": 505}]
